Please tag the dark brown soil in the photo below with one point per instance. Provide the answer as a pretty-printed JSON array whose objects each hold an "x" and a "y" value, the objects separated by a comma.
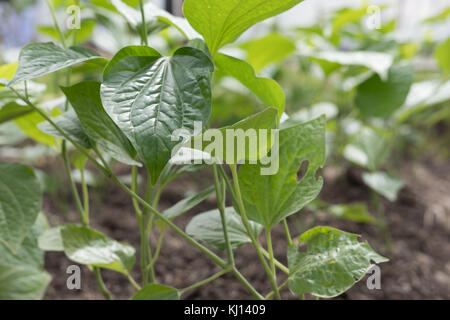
[{"x": 419, "y": 266}]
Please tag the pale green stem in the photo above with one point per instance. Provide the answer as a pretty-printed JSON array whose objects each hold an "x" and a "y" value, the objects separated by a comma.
[
  {"x": 205, "y": 281},
  {"x": 272, "y": 262},
  {"x": 144, "y": 34},
  {"x": 271, "y": 293},
  {"x": 288, "y": 234}
]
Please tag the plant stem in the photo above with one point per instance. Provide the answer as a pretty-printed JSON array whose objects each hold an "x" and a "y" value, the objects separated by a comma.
[
  {"x": 73, "y": 186},
  {"x": 144, "y": 24},
  {"x": 288, "y": 234},
  {"x": 134, "y": 178},
  {"x": 133, "y": 282},
  {"x": 220, "y": 195},
  {"x": 280, "y": 266},
  {"x": 55, "y": 22},
  {"x": 101, "y": 285},
  {"x": 271, "y": 293},
  {"x": 158, "y": 248},
  {"x": 272, "y": 262},
  {"x": 85, "y": 192},
  {"x": 246, "y": 223},
  {"x": 205, "y": 281},
  {"x": 382, "y": 220}
]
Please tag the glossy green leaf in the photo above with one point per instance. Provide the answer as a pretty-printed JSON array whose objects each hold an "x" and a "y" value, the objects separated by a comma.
[
  {"x": 13, "y": 110},
  {"x": 157, "y": 292},
  {"x": 369, "y": 149},
  {"x": 357, "y": 212},
  {"x": 20, "y": 203},
  {"x": 38, "y": 59},
  {"x": 383, "y": 183},
  {"x": 442, "y": 55},
  {"x": 149, "y": 97},
  {"x": 267, "y": 50},
  {"x": 207, "y": 227},
  {"x": 85, "y": 100},
  {"x": 240, "y": 141},
  {"x": 268, "y": 90},
  {"x": 222, "y": 22},
  {"x": 333, "y": 262},
  {"x": 87, "y": 246},
  {"x": 22, "y": 283},
  {"x": 378, "y": 98},
  {"x": 69, "y": 123},
  {"x": 268, "y": 199}
]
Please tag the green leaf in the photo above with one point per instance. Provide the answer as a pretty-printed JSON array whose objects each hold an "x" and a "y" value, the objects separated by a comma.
[
  {"x": 268, "y": 50},
  {"x": 13, "y": 110},
  {"x": 157, "y": 292},
  {"x": 357, "y": 212},
  {"x": 85, "y": 99},
  {"x": 29, "y": 254},
  {"x": 222, "y": 22},
  {"x": 333, "y": 262},
  {"x": 7, "y": 71},
  {"x": 377, "y": 61},
  {"x": 87, "y": 246},
  {"x": 376, "y": 98},
  {"x": 38, "y": 59},
  {"x": 268, "y": 199},
  {"x": 51, "y": 240},
  {"x": 240, "y": 144},
  {"x": 187, "y": 203},
  {"x": 70, "y": 124},
  {"x": 20, "y": 203},
  {"x": 268, "y": 90},
  {"x": 369, "y": 149},
  {"x": 22, "y": 283},
  {"x": 207, "y": 227},
  {"x": 383, "y": 183},
  {"x": 442, "y": 55},
  {"x": 29, "y": 125},
  {"x": 149, "y": 97}
]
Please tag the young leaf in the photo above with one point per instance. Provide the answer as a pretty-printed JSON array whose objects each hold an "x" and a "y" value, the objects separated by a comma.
[
  {"x": 22, "y": 283},
  {"x": 29, "y": 124},
  {"x": 268, "y": 199},
  {"x": 87, "y": 246},
  {"x": 378, "y": 98},
  {"x": 38, "y": 59},
  {"x": 20, "y": 203},
  {"x": 383, "y": 183},
  {"x": 268, "y": 90},
  {"x": 222, "y": 22},
  {"x": 369, "y": 149},
  {"x": 207, "y": 227},
  {"x": 149, "y": 97},
  {"x": 333, "y": 262},
  {"x": 85, "y": 100},
  {"x": 240, "y": 141},
  {"x": 267, "y": 50},
  {"x": 70, "y": 124},
  {"x": 157, "y": 292}
]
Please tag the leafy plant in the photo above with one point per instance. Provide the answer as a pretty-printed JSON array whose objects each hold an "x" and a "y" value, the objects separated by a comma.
[{"x": 130, "y": 116}]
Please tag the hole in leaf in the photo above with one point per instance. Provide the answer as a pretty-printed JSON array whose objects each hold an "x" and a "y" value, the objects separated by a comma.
[{"x": 302, "y": 171}]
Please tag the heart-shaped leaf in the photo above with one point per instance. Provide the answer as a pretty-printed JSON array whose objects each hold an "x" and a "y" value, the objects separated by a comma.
[
  {"x": 270, "y": 198},
  {"x": 333, "y": 262},
  {"x": 149, "y": 97},
  {"x": 222, "y": 22},
  {"x": 38, "y": 59}
]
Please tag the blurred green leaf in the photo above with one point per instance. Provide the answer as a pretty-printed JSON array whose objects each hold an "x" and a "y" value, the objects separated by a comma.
[{"x": 383, "y": 183}]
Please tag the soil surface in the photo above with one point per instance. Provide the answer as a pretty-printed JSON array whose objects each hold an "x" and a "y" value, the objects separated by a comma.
[{"x": 419, "y": 266}]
